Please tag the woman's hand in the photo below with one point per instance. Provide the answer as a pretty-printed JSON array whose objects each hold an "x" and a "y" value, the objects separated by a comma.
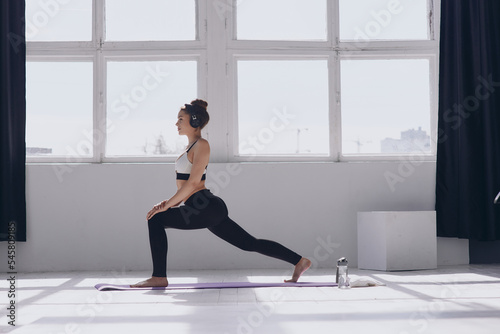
[{"x": 160, "y": 207}]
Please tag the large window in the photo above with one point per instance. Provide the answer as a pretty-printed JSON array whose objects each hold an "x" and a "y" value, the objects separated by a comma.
[
  {"x": 59, "y": 108},
  {"x": 362, "y": 87},
  {"x": 58, "y": 20},
  {"x": 140, "y": 95},
  {"x": 283, "y": 107},
  {"x": 150, "y": 20},
  {"x": 385, "y": 106},
  {"x": 286, "y": 80},
  {"x": 105, "y": 79},
  {"x": 282, "y": 20},
  {"x": 370, "y": 20}
]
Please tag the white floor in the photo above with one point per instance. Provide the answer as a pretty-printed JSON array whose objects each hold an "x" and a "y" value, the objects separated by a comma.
[{"x": 461, "y": 299}]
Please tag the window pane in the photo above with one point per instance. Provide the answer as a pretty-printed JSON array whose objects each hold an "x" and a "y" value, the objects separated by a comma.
[
  {"x": 364, "y": 20},
  {"x": 59, "y": 109},
  {"x": 385, "y": 106},
  {"x": 281, "y": 20},
  {"x": 150, "y": 20},
  {"x": 283, "y": 107},
  {"x": 142, "y": 105},
  {"x": 59, "y": 20}
]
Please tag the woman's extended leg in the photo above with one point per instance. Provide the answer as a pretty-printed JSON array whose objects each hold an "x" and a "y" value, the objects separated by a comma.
[{"x": 231, "y": 232}]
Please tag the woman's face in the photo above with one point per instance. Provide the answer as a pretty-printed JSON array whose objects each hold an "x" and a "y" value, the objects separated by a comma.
[{"x": 183, "y": 126}]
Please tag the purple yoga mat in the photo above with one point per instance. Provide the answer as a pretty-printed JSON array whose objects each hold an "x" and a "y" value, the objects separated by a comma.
[{"x": 215, "y": 285}]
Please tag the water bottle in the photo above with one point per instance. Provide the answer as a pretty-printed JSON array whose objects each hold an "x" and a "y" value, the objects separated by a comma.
[{"x": 342, "y": 278}]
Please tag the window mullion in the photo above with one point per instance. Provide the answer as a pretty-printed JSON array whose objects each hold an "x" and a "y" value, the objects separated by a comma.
[
  {"x": 334, "y": 81},
  {"x": 100, "y": 133},
  {"x": 98, "y": 22},
  {"x": 217, "y": 80},
  {"x": 335, "y": 106},
  {"x": 333, "y": 20},
  {"x": 430, "y": 20},
  {"x": 434, "y": 101},
  {"x": 100, "y": 126}
]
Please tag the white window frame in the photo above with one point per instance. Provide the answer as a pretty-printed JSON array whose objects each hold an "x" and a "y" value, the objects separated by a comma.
[
  {"x": 46, "y": 57},
  {"x": 138, "y": 56},
  {"x": 335, "y": 50},
  {"x": 235, "y": 56},
  {"x": 217, "y": 53},
  {"x": 100, "y": 51},
  {"x": 433, "y": 86}
]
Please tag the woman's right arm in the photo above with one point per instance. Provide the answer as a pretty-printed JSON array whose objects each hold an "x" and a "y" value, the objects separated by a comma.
[{"x": 200, "y": 161}]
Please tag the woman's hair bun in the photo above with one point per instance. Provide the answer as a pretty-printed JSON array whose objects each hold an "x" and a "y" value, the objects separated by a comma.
[{"x": 200, "y": 103}]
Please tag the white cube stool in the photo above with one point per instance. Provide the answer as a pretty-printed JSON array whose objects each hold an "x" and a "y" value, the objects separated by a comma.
[{"x": 397, "y": 240}]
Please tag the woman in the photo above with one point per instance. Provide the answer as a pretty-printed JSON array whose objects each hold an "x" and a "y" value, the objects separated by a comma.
[{"x": 201, "y": 208}]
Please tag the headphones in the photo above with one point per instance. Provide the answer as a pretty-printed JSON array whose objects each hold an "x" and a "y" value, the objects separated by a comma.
[{"x": 194, "y": 121}]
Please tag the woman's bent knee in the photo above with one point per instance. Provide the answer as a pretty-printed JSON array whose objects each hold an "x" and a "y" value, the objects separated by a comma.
[{"x": 155, "y": 222}]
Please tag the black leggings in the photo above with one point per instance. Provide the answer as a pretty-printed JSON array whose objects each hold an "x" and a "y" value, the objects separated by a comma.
[{"x": 205, "y": 210}]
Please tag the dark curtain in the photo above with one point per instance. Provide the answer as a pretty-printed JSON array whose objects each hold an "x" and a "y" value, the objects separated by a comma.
[
  {"x": 468, "y": 155},
  {"x": 12, "y": 121}
]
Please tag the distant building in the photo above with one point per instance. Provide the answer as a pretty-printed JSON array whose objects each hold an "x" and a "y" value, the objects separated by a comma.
[
  {"x": 411, "y": 141},
  {"x": 38, "y": 150}
]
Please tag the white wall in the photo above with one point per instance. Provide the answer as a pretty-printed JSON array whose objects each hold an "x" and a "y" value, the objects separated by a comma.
[{"x": 92, "y": 216}]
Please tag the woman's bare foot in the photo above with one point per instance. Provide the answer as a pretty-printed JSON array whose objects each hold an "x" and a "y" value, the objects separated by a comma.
[
  {"x": 300, "y": 268},
  {"x": 151, "y": 282}
]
